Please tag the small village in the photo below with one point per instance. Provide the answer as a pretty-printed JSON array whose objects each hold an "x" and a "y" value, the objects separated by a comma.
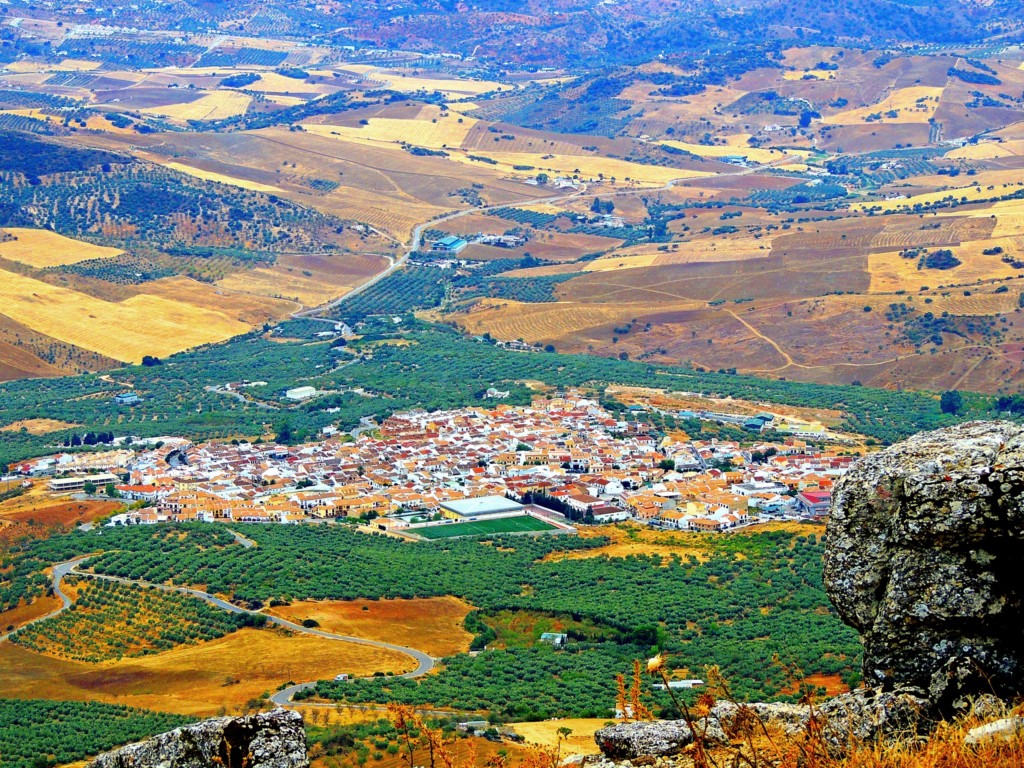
[{"x": 564, "y": 461}]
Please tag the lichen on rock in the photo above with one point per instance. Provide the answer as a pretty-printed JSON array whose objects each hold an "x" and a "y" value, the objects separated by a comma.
[
  {"x": 921, "y": 557},
  {"x": 274, "y": 739}
]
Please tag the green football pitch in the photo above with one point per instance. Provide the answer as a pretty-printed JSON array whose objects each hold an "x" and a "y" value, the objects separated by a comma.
[{"x": 481, "y": 527}]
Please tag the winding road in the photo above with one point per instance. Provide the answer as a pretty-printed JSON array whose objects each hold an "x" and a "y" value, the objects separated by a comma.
[{"x": 424, "y": 662}]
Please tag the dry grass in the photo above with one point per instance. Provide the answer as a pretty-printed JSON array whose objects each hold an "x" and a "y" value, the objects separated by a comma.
[
  {"x": 199, "y": 173},
  {"x": 433, "y": 625},
  {"x": 24, "y": 613},
  {"x": 41, "y": 248},
  {"x": 903, "y": 100},
  {"x": 197, "y": 679},
  {"x": 214, "y": 105},
  {"x": 891, "y": 272},
  {"x": 541, "y": 322},
  {"x": 717, "y": 150},
  {"x": 445, "y": 132},
  {"x": 586, "y": 167},
  {"x": 958, "y": 194},
  {"x": 631, "y": 539},
  {"x": 545, "y": 734},
  {"x": 243, "y": 307},
  {"x": 403, "y": 83},
  {"x": 739, "y": 248},
  {"x": 38, "y": 426},
  {"x": 272, "y": 82},
  {"x": 126, "y": 331}
]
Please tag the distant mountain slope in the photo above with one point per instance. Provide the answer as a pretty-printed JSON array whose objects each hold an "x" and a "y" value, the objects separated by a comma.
[{"x": 587, "y": 31}]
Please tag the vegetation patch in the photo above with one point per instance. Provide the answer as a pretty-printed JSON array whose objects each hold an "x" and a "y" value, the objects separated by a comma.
[{"x": 110, "y": 620}]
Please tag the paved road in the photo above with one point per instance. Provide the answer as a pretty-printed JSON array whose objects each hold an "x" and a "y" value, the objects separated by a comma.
[
  {"x": 59, "y": 572},
  {"x": 424, "y": 662}
]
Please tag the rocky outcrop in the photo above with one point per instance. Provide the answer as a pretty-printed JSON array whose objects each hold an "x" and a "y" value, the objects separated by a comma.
[
  {"x": 921, "y": 556},
  {"x": 859, "y": 717},
  {"x": 266, "y": 740}
]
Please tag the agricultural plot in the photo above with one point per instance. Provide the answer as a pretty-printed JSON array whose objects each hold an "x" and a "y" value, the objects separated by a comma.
[
  {"x": 431, "y": 624},
  {"x": 126, "y": 331},
  {"x": 43, "y": 248},
  {"x": 215, "y": 105},
  {"x": 34, "y": 733},
  {"x": 915, "y": 104},
  {"x": 448, "y": 131},
  {"x": 194, "y": 679},
  {"x": 524, "y": 524},
  {"x": 114, "y": 621},
  {"x": 403, "y": 83},
  {"x": 757, "y": 155},
  {"x": 221, "y": 178}
]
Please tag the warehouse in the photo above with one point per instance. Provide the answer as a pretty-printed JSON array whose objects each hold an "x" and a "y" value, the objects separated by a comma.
[{"x": 483, "y": 506}]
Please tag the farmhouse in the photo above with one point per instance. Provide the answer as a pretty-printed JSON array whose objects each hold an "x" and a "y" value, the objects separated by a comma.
[
  {"x": 450, "y": 244},
  {"x": 482, "y": 506},
  {"x": 127, "y": 398}
]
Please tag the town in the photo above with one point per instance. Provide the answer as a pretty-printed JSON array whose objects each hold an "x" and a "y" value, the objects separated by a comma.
[{"x": 562, "y": 462}]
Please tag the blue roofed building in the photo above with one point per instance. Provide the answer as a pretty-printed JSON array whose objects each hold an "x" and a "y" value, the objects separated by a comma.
[{"x": 450, "y": 244}]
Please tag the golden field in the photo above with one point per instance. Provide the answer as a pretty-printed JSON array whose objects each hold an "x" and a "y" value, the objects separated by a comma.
[
  {"x": 214, "y": 105},
  {"x": 196, "y": 680},
  {"x": 903, "y": 100},
  {"x": 42, "y": 248},
  {"x": 126, "y": 331},
  {"x": 431, "y": 624},
  {"x": 199, "y": 173}
]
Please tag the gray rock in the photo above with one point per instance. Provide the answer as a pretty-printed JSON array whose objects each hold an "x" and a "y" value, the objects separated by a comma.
[
  {"x": 1005, "y": 729},
  {"x": 870, "y": 715},
  {"x": 737, "y": 719},
  {"x": 266, "y": 740},
  {"x": 626, "y": 741},
  {"x": 921, "y": 558}
]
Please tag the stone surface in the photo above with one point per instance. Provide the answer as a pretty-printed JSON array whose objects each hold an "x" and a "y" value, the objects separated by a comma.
[
  {"x": 1005, "y": 729},
  {"x": 654, "y": 738},
  {"x": 921, "y": 558},
  {"x": 862, "y": 716},
  {"x": 266, "y": 740}
]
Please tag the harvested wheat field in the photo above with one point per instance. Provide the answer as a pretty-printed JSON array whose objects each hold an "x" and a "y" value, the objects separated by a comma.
[
  {"x": 214, "y": 105},
  {"x": 448, "y": 131},
  {"x": 545, "y": 734},
  {"x": 37, "y": 426},
  {"x": 42, "y": 248},
  {"x": 126, "y": 331},
  {"x": 295, "y": 279},
  {"x": 914, "y": 105},
  {"x": 432, "y": 625},
  {"x": 410, "y": 83},
  {"x": 199, "y": 173},
  {"x": 891, "y": 272},
  {"x": 506, "y": 319},
  {"x": 717, "y": 150},
  {"x": 242, "y": 306},
  {"x": 198, "y": 679}
]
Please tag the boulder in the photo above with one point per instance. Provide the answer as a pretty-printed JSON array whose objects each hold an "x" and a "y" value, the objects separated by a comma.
[
  {"x": 274, "y": 739},
  {"x": 654, "y": 738},
  {"x": 921, "y": 558}
]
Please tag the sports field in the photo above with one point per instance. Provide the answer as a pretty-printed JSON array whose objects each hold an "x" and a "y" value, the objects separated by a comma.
[{"x": 481, "y": 527}]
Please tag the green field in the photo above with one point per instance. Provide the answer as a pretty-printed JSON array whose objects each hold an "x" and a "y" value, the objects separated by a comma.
[{"x": 481, "y": 527}]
